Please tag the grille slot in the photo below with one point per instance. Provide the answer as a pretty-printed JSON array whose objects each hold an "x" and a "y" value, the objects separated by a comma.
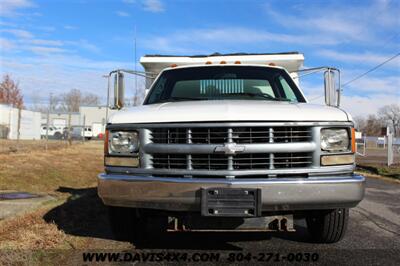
[
  {"x": 169, "y": 161},
  {"x": 242, "y": 135},
  {"x": 240, "y": 161}
]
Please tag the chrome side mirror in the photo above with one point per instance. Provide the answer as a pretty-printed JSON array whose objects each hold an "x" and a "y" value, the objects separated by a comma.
[
  {"x": 119, "y": 89},
  {"x": 332, "y": 92}
]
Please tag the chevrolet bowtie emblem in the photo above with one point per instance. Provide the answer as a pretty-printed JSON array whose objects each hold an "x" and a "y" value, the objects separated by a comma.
[{"x": 229, "y": 149}]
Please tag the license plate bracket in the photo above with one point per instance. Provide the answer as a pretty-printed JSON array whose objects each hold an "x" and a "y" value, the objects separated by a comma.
[{"x": 231, "y": 202}]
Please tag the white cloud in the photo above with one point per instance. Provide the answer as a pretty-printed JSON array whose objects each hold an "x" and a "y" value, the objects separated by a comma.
[
  {"x": 84, "y": 44},
  {"x": 58, "y": 72},
  {"x": 227, "y": 38},
  {"x": 70, "y": 27},
  {"x": 364, "y": 105},
  {"x": 46, "y": 42},
  {"x": 19, "y": 33},
  {"x": 367, "y": 57},
  {"x": 44, "y": 50},
  {"x": 9, "y": 7},
  {"x": 45, "y": 28},
  {"x": 381, "y": 84},
  {"x": 6, "y": 45},
  {"x": 153, "y": 6},
  {"x": 362, "y": 22},
  {"x": 122, "y": 14}
]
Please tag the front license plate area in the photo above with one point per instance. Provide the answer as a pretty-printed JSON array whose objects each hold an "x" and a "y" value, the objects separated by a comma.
[{"x": 231, "y": 202}]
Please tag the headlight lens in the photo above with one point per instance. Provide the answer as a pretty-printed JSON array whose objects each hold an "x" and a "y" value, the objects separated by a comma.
[
  {"x": 123, "y": 142},
  {"x": 334, "y": 139}
]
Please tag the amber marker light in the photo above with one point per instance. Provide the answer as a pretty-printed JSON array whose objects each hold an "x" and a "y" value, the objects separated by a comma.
[
  {"x": 106, "y": 143},
  {"x": 353, "y": 140}
]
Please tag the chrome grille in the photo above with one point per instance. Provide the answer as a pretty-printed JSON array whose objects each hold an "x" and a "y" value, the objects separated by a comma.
[
  {"x": 230, "y": 148},
  {"x": 219, "y": 135},
  {"x": 240, "y": 161}
]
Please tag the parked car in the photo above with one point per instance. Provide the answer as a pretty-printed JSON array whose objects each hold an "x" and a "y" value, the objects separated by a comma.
[{"x": 52, "y": 132}]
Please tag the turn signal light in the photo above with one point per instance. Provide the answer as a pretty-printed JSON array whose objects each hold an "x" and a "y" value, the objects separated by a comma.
[
  {"x": 337, "y": 159},
  {"x": 353, "y": 140},
  {"x": 106, "y": 143},
  {"x": 121, "y": 161}
]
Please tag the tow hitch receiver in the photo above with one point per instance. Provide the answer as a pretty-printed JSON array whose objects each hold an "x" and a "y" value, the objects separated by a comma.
[{"x": 231, "y": 202}]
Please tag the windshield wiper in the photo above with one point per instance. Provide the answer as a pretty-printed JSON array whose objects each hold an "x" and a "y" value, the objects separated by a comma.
[
  {"x": 263, "y": 95},
  {"x": 172, "y": 99}
]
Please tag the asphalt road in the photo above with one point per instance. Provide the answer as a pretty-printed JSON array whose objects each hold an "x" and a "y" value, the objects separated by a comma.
[{"x": 372, "y": 238}]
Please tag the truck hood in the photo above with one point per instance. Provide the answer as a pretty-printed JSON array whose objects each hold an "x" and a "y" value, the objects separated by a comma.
[{"x": 228, "y": 110}]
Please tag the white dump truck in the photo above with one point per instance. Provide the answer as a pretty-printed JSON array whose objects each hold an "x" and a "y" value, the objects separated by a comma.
[{"x": 229, "y": 142}]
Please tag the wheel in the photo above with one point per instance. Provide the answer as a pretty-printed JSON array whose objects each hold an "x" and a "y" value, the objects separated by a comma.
[
  {"x": 125, "y": 223},
  {"x": 328, "y": 226},
  {"x": 57, "y": 135},
  {"x": 136, "y": 225}
]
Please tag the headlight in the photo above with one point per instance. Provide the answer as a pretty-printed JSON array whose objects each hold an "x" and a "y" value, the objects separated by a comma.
[
  {"x": 123, "y": 142},
  {"x": 334, "y": 139}
]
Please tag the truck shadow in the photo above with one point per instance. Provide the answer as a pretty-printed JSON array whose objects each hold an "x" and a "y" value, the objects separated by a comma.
[{"x": 83, "y": 214}]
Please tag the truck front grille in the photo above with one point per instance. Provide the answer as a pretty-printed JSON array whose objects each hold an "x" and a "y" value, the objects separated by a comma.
[
  {"x": 241, "y": 135},
  {"x": 229, "y": 150}
]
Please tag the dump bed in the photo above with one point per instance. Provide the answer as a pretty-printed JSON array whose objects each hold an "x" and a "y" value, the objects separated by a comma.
[{"x": 291, "y": 61}]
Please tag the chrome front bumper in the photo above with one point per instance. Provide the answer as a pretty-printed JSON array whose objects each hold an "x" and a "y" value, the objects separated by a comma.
[{"x": 183, "y": 194}]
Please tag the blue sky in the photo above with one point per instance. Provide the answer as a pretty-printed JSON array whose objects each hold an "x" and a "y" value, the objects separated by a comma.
[{"x": 54, "y": 46}]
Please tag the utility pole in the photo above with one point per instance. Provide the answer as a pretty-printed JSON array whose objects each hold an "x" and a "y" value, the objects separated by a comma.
[
  {"x": 19, "y": 126},
  {"x": 47, "y": 121},
  {"x": 389, "y": 136},
  {"x": 136, "y": 81},
  {"x": 84, "y": 128},
  {"x": 69, "y": 129}
]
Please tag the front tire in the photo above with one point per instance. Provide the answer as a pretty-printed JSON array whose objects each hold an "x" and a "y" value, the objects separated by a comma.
[
  {"x": 136, "y": 225},
  {"x": 328, "y": 226},
  {"x": 125, "y": 223}
]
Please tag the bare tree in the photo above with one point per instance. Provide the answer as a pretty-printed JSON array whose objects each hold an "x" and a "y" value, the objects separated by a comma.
[
  {"x": 373, "y": 126},
  {"x": 360, "y": 123},
  {"x": 54, "y": 102},
  {"x": 72, "y": 100},
  {"x": 10, "y": 92},
  {"x": 391, "y": 115},
  {"x": 90, "y": 99}
]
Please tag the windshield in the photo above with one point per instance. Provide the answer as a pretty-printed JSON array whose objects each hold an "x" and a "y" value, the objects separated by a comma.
[{"x": 224, "y": 83}]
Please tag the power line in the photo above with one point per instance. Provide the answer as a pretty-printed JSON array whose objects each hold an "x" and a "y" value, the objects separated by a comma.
[{"x": 372, "y": 69}]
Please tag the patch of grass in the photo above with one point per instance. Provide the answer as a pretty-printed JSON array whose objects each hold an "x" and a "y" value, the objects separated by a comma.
[
  {"x": 392, "y": 171},
  {"x": 39, "y": 171}
]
